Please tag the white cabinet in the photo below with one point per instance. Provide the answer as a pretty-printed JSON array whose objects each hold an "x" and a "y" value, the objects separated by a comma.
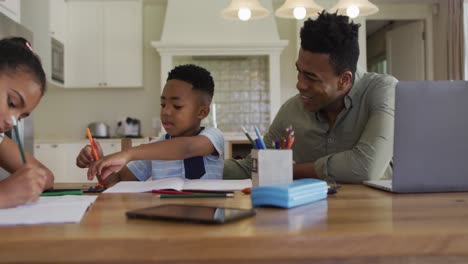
[
  {"x": 60, "y": 158},
  {"x": 12, "y": 9},
  {"x": 104, "y": 44},
  {"x": 52, "y": 156},
  {"x": 72, "y": 172},
  {"x": 58, "y": 19}
]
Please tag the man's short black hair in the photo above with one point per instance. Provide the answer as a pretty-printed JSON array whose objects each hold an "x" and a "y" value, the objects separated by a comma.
[
  {"x": 198, "y": 77},
  {"x": 335, "y": 35}
]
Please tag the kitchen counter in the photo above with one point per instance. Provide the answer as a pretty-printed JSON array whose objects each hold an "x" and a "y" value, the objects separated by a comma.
[
  {"x": 227, "y": 137},
  {"x": 83, "y": 140}
]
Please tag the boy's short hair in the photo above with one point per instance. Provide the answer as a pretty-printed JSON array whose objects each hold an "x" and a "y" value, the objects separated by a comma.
[
  {"x": 198, "y": 77},
  {"x": 334, "y": 35}
]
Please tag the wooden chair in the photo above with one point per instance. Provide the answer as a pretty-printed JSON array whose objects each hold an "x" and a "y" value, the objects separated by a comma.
[{"x": 125, "y": 143}]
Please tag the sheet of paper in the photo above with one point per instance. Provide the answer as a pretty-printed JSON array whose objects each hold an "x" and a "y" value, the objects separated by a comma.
[
  {"x": 47, "y": 210},
  {"x": 179, "y": 184},
  {"x": 146, "y": 186},
  {"x": 217, "y": 185}
]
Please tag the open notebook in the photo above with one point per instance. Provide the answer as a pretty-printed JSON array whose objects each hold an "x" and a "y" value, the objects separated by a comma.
[{"x": 179, "y": 184}]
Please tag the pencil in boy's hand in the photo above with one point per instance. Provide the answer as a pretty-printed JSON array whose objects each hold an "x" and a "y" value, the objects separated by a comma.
[
  {"x": 93, "y": 146},
  {"x": 18, "y": 139}
]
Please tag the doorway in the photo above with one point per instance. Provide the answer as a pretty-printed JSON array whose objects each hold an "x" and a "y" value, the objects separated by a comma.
[{"x": 397, "y": 47}]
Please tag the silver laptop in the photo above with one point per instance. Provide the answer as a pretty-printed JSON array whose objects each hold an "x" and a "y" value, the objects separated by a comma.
[{"x": 430, "y": 151}]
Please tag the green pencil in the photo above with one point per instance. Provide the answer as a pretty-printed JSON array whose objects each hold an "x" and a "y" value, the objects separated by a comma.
[
  {"x": 18, "y": 139},
  {"x": 60, "y": 193}
]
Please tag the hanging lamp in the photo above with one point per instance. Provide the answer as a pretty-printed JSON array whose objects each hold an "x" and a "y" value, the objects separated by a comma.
[
  {"x": 354, "y": 8},
  {"x": 298, "y": 9},
  {"x": 244, "y": 10}
]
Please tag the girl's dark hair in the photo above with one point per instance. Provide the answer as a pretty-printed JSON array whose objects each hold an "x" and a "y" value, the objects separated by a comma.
[
  {"x": 16, "y": 55},
  {"x": 335, "y": 35},
  {"x": 198, "y": 77}
]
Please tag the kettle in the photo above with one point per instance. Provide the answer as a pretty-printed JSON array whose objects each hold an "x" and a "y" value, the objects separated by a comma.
[{"x": 99, "y": 130}]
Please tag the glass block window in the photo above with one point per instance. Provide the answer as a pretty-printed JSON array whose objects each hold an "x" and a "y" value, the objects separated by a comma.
[{"x": 241, "y": 96}]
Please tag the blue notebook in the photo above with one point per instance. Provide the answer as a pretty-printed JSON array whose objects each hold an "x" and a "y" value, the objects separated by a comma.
[{"x": 297, "y": 193}]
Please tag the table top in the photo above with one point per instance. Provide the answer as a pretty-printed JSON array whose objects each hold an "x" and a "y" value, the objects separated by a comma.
[{"x": 357, "y": 224}]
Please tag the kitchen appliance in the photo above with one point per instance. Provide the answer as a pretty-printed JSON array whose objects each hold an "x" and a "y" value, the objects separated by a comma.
[
  {"x": 129, "y": 127},
  {"x": 99, "y": 130},
  {"x": 9, "y": 28},
  {"x": 57, "y": 61}
]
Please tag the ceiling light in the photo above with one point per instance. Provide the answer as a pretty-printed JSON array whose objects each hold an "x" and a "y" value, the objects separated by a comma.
[
  {"x": 354, "y": 8},
  {"x": 298, "y": 9},
  {"x": 244, "y": 10}
]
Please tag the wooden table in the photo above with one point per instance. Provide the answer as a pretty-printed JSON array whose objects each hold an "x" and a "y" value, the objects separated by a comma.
[{"x": 357, "y": 225}]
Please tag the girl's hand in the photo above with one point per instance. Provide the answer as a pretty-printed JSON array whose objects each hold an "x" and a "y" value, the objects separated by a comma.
[{"x": 23, "y": 186}]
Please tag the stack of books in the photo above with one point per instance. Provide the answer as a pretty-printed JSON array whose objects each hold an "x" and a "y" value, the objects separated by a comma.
[{"x": 297, "y": 193}]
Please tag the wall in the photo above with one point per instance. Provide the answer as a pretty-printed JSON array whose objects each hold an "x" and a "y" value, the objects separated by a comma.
[
  {"x": 65, "y": 113},
  {"x": 287, "y": 31}
]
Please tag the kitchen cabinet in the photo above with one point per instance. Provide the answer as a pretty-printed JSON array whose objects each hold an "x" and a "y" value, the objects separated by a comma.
[
  {"x": 60, "y": 157},
  {"x": 52, "y": 155},
  {"x": 238, "y": 149},
  {"x": 12, "y": 9},
  {"x": 104, "y": 44},
  {"x": 58, "y": 19}
]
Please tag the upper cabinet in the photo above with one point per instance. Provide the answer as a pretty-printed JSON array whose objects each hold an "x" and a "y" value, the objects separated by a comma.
[
  {"x": 58, "y": 19},
  {"x": 11, "y": 8},
  {"x": 104, "y": 44}
]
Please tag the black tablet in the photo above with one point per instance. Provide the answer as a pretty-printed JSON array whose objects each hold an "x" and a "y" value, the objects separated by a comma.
[{"x": 192, "y": 213}]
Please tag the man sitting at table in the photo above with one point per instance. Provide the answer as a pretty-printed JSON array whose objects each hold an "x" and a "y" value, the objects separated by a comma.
[{"x": 342, "y": 118}]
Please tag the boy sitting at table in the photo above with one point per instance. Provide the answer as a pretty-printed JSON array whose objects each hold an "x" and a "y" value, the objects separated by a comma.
[{"x": 187, "y": 150}]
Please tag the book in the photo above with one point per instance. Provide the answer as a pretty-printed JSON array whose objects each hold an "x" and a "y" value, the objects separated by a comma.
[{"x": 179, "y": 184}]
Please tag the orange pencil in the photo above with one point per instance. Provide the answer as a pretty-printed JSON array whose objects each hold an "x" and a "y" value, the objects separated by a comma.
[{"x": 91, "y": 141}]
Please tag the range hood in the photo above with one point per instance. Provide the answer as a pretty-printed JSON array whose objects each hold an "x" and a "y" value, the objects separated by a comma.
[{"x": 196, "y": 28}]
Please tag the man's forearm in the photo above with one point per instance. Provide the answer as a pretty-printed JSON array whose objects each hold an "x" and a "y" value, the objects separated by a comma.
[{"x": 304, "y": 170}]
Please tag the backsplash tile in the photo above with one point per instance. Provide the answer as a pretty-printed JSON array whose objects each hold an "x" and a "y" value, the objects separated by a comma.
[{"x": 242, "y": 96}]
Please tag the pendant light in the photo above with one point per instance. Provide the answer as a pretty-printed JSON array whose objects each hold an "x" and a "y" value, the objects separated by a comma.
[
  {"x": 298, "y": 9},
  {"x": 354, "y": 8},
  {"x": 244, "y": 10}
]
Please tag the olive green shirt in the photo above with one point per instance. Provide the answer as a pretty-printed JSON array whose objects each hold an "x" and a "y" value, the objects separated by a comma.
[{"x": 358, "y": 147}]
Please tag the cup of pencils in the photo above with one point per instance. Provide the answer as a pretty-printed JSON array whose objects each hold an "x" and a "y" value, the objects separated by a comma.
[{"x": 271, "y": 166}]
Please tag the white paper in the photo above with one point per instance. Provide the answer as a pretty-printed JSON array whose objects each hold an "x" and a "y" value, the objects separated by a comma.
[
  {"x": 176, "y": 183},
  {"x": 49, "y": 209}
]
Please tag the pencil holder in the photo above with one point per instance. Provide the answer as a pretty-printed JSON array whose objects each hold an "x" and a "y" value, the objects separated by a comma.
[{"x": 271, "y": 166}]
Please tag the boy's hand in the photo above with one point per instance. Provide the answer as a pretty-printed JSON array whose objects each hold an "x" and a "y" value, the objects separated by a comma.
[
  {"x": 85, "y": 157},
  {"x": 24, "y": 185},
  {"x": 108, "y": 165}
]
